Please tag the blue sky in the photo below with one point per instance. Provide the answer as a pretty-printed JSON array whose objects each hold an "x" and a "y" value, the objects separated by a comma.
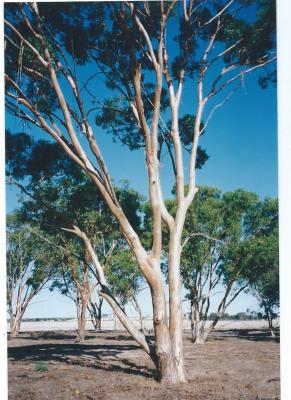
[{"x": 241, "y": 140}]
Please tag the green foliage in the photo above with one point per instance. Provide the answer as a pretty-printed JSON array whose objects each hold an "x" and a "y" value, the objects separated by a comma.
[
  {"x": 236, "y": 232},
  {"x": 64, "y": 282},
  {"x": 24, "y": 67},
  {"x": 26, "y": 157},
  {"x": 61, "y": 195},
  {"x": 17, "y": 151},
  {"x": 255, "y": 37},
  {"x": 204, "y": 216},
  {"x": 124, "y": 276},
  {"x": 30, "y": 261},
  {"x": 265, "y": 285},
  {"x": 41, "y": 366},
  {"x": 116, "y": 118}
]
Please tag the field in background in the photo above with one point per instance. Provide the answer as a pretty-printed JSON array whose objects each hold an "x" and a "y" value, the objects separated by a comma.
[{"x": 108, "y": 324}]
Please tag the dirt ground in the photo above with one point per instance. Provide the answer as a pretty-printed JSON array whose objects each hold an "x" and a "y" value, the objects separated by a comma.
[{"x": 232, "y": 365}]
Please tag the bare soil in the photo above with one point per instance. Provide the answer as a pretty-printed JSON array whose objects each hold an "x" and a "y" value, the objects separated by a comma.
[{"x": 232, "y": 365}]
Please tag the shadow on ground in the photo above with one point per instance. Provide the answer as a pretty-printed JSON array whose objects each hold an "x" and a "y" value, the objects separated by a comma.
[
  {"x": 248, "y": 334},
  {"x": 100, "y": 356},
  {"x": 64, "y": 335}
]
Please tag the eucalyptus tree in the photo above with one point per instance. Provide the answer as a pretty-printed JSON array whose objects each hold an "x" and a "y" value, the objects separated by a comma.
[
  {"x": 73, "y": 279},
  {"x": 55, "y": 195},
  {"x": 263, "y": 274},
  {"x": 30, "y": 265},
  {"x": 225, "y": 239},
  {"x": 266, "y": 289},
  {"x": 145, "y": 52},
  {"x": 265, "y": 285}
]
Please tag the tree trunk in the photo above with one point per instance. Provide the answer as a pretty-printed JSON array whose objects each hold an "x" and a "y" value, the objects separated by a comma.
[
  {"x": 14, "y": 330},
  {"x": 138, "y": 309},
  {"x": 11, "y": 322},
  {"x": 99, "y": 315},
  {"x": 16, "y": 321},
  {"x": 115, "y": 321},
  {"x": 78, "y": 317},
  {"x": 168, "y": 352},
  {"x": 201, "y": 333},
  {"x": 10, "y": 312},
  {"x": 95, "y": 311},
  {"x": 270, "y": 323},
  {"x": 164, "y": 357},
  {"x": 98, "y": 324},
  {"x": 194, "y": 320},
  {"x": 82, "y": 320},
  {"x": 94, "y": 322},
  {"x": 175, "y": 301},
  {"x": 272, "y": 331},
  {"x": 198, "y": 331}
]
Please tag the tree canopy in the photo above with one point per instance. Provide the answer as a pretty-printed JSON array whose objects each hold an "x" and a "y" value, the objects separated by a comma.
[
  {"x": 230, "y": 241},
  {"x": 30, "y": 266}
]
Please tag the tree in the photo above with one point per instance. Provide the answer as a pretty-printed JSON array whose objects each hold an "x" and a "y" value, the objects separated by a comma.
[
  {"x": 30, "y": 266},
  {"x": 126, "y": 43},
  {"x": 267, "y": 292},
  {"x": 265, "y": 287},
  {"x": 263, "y": 280},
  {"x": 72, "y": 279},
  {"x": 95, "y": 310},
  {"x": 56, "y": 196},
  {"x": 225, "y": 237}
]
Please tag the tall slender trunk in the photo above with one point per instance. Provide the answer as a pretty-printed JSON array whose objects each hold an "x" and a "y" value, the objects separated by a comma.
[
  {"x": 272, "y": 329},
  {"x": 195, "y": 321},
  {"x": 99, "y": 314},
  {"x": 82, "y": 318},
  {"x": 78, "y": 311},
  {"x": 270, "y": 322},
  {"x": 175, "y": 302}
]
